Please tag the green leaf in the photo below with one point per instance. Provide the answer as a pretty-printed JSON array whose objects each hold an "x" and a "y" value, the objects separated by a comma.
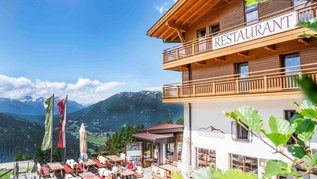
[
  {"x": 250, "y": 117},
  {"x": 278, "y": 138},
  {"x": 298, "y": 152},
  {"x": 308, "y": 87},
  {"x": 311, "y": 24},
  {"x": 277, "y": 167},
  {"x": 280, "y": 125},
  {"x": 305, "y": 129},
  {"x": 294, "y": 117},
  {"x": 307, "y": 36},
  {"x": 281, "y": 131}
]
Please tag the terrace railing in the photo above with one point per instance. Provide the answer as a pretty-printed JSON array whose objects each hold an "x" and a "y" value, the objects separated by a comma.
[
  {"x": 268, "y": 81},
  {"x": 202, "y": 45}
]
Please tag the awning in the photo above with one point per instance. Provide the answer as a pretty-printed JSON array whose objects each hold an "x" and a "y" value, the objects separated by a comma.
[{"x": 155, "y": 138}]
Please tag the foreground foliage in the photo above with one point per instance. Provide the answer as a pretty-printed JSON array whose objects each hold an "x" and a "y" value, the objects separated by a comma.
[{"x": 301, "y": 128}]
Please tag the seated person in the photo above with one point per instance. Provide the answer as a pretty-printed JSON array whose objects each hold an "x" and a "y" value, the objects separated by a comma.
[{"x": 131, "y": 166}]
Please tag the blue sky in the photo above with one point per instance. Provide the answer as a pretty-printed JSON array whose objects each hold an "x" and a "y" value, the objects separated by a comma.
[{"x": 77, "y": 46}]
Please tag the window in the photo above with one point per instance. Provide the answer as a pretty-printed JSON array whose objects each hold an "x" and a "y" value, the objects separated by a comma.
[
  {"x": 201, "y": 35},
  {"x": 244, "y": 163},
  {"x": 291, "y": 63},
  {"x": 213, "y": 29},
  {"x": 239, "y": 133},
  {"x": 251, "y": 13},
  {"x": 205, "y": 158},
  {"x": 288, "y": 114},
  {"x": 242, "y": 71}
]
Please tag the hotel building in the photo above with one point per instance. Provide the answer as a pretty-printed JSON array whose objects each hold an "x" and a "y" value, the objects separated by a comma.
[{"x": 231, "y": 55}]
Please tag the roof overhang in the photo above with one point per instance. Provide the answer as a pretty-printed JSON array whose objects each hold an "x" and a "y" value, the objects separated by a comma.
[
  {"x": 155, "y": 138},
  {"x": 179, "y": 18}
]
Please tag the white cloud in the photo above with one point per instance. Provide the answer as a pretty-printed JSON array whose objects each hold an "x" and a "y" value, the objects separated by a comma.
[
  {"x": 85, "y": 91},
  {"x": 154, "y": 88},
  {"x": 163, "y": 8}
]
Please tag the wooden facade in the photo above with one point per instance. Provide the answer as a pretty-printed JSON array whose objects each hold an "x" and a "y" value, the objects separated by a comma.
[{"x": 208, "y": 72}]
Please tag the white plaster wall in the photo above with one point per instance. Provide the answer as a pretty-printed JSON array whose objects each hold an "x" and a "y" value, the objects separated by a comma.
[{"x": 206, "y": 114}]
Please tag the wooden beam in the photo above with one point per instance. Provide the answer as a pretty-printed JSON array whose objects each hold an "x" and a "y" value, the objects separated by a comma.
[
  {"x": 203, "y": 63},
  {"x": 179, "y": 29},
  {"x": 192, "y": 8},
  {"x": 197, "y": 11},
  {"x": 220, "y": 59},
  {"x": 173, "y": 25},
  {"x": 304, "y": 41},
  {"x": 202, "y": 14},
  {"x": 271, "y": 48},
  {"x": 243, "y": 54},
  {"x": 182, "y": 68}
]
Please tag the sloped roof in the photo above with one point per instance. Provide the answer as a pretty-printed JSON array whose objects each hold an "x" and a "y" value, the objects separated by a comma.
[
  {"x": 155, "y": 138},
  {"x": 182, "y": 15},
  {"x": 164, "y": 126}
]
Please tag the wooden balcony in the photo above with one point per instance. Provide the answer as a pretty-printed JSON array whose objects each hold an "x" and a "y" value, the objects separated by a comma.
[
  {"x": 206, "y": 44},
  {"x": 280, "y": 80}
]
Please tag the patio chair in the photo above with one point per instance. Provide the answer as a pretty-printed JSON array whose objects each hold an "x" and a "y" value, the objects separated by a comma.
[
  {"x": 162, "y": 173},
  {"x": 79, "y": 168},
  {"x": 43, "y": 171},
  {"x": 155, "y": 172},
  {"x": 68, "y": 169},
  {"x": 99, "y": 164},
  {"x": 139, "y": 172}
]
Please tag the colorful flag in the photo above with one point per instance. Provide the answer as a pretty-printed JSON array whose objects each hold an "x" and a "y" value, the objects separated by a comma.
[
  {"x": 47, "y": 140},
  {"x": 62, "y": 104}
]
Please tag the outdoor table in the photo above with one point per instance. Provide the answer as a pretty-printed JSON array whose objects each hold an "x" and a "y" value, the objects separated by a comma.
[
  {"x": 56, "y": 166},
  {"x": 88, "y": 175},
  {"x": 89, "y": 163},
  {"x": 114, "y": 158},
  {"x": 126, "y": 173},
  {"x": 170, "y": 168}
]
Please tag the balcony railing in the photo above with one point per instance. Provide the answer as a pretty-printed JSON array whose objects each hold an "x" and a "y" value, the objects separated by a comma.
[
  {"x": 269, "y": 81},
  {"x": 202, "y": 45}
]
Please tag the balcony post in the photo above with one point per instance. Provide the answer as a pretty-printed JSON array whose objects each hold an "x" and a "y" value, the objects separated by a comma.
[
  {"x": 163, "y": 56},
  {"x": 265, "y": 83},
  {"x": 213, "y": 88},
  {"x": 177, "y": 92},
  {"x": 177, "y": 53},
  {"x": 194, "y": 90},
  {"x": 193, "y": 48},
  {"x": 237, "y": 86},
  {"x": 163, "y": 94}
]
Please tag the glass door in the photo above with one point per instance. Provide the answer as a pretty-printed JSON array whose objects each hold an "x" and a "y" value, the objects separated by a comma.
[{"x": 201, "y": 35}]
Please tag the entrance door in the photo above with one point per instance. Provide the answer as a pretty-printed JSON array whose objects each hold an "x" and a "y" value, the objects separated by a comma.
[{"x": 201, "y": 35}]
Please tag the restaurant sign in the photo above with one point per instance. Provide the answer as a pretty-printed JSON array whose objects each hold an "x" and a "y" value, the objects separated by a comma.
[{"x": 255, "y": 31}]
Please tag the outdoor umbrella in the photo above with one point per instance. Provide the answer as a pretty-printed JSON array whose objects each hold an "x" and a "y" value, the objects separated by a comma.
[
  {"x": 83, "y": 139},
  {"x": 185, "y": 166}
]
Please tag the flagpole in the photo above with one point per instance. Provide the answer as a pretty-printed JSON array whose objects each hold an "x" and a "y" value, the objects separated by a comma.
[
  {"x": 52, "y": 128},
  {"x": 65, "y": 113}
]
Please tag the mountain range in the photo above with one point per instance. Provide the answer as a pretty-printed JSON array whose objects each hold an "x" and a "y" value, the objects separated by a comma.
[
  {"x": 30, "y": 107},
  {"x": 24, "y": 119}
]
